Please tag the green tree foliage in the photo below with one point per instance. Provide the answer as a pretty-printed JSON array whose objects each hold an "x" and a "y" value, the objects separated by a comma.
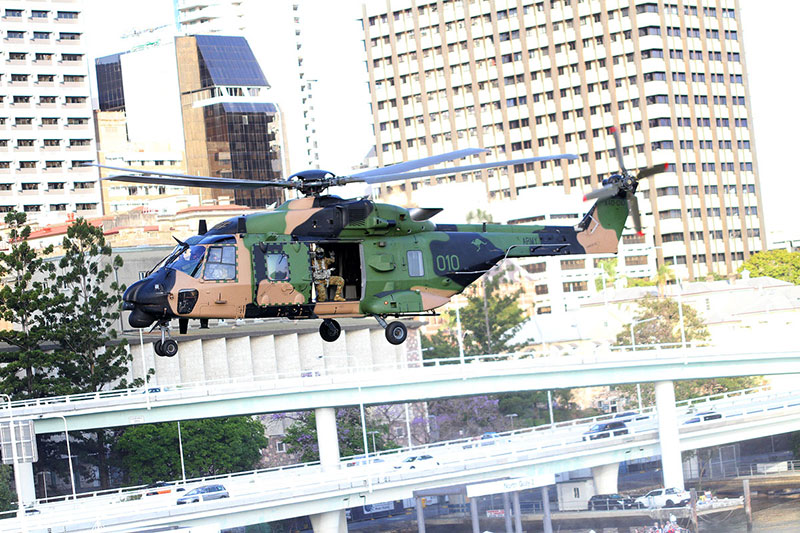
[
  {"x": 212, "y": 446},
  {"x": 90, "y": 356},
  {"x": 609, "y": 274},
  {"x": 665, "y": 328},
  {"x": 301, "y": 435},
  {"x": 463, "y": 417},
  {"x": 778, "y": 264},
  {"x": 8, "y": 496},
  {"x": 26, "y": 302},
  {"x": 489, "y": 321}
]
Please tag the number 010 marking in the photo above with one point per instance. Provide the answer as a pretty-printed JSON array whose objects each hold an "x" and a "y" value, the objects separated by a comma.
[{"x": 448, "y": 263}]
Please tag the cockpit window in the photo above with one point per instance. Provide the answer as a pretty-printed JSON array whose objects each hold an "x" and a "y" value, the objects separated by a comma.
[
  {"x": 189, "y": 261},
  {"x": 221, "y": 263}
]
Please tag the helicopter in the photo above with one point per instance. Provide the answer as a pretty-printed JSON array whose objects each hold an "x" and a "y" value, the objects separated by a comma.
[{"x": 320, "y": 256}]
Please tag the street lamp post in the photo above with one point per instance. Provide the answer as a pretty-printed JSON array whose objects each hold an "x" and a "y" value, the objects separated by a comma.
[
  {"x": 374, "y": 447},
  {"x": 69, "y": 456},
  {"x": 633, "y": 349},
  {"x": 512, "y": 416},
  {"x": 180, "y": 448}
]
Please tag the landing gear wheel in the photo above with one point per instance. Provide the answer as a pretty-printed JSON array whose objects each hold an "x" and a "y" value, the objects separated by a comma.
[
  {"x": 396, "y": 332},
  {"x": 157, "y": 348},
  {"x": 169, "y": 348},
  {"x": 329, "y": 330}
]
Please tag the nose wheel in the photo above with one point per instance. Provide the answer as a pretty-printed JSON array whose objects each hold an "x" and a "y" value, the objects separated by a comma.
[
  {"x": 330, "y": 330},
  {"x": 396, "y": 332},
  {"x": 165, "y": 347}
]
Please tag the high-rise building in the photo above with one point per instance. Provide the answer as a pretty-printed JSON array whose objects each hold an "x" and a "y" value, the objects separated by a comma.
[
  {"x": 538, "y": 77},
  {"x": 46, "y": 126},
  {"x": 202, "y": 95},
  {"x": 275, "y": 32}
]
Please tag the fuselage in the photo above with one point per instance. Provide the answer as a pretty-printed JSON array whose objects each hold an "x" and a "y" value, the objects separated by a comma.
[{"x": 261, "y": 265}]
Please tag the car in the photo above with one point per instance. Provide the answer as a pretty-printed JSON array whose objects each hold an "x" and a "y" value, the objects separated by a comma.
[
  {"x": 605, "y": 502},
  {"x": 606, "y": 429},
  {"x": 413, "y": 462},
  {"x": 203, "y": 494},
  {"x": 705, "y": 416},
  {"x": 159, "y": 487},
  {"x": 669, "y": 497}
]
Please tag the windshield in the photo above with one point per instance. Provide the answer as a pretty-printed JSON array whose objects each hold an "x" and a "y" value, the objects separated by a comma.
[
  {"x": 188, "y": 261},
  {"x": 597, "y": 427}
]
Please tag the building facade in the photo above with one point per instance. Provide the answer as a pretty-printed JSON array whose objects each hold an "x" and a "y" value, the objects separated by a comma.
[
  {"x": 268, "y": 27},
  {"x": 46, "y": 124},
  {"x": 204, "y": 112},
  {"x": 537, "y": 77}
]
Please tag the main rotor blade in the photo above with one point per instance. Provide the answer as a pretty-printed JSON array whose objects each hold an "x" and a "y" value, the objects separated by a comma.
[
  {"x": 466, "y": 168},
  {"x": 188, "y": 180},
  {"x": 618, "y": 149},
  {"x": 633, "y": 207},
  {"x": 604, "y": 192},
  {"x": 199, "y": 181},
  {"x": 655, "y": 169},
  {"x": 419, "y": 163}
]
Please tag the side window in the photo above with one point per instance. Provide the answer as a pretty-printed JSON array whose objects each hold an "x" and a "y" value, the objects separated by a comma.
[
  {"x": 416, "y": 268},
  {"x": 221, "y": 263},
  {"x": 277, "y": 267}
]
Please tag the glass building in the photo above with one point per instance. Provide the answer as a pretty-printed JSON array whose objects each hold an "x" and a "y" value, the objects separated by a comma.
[{"x": 230, "y": 131}]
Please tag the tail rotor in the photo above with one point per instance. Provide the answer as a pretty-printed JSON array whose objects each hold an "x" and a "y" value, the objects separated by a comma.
[{"x": 625, "y": 182}]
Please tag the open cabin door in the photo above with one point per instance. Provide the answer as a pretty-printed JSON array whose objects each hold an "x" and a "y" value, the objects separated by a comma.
[{"x": 282, "y": 274}]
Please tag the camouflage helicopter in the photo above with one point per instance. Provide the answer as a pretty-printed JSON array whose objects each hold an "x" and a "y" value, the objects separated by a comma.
[{"x": 323, "y": 257}]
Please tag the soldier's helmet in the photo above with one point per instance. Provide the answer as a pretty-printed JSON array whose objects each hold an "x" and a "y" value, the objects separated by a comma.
[{"x": 320, "y": 252}]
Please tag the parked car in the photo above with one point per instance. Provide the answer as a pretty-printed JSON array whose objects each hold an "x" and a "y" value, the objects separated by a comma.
[
  {"x": 413, "y": 462},
  {"x": 203, "y": 494},
  {"x": 703, "y": 417},
  {"x": 605, "y": 502},
  {"x": 606, "y": 429},
  {"x": 671, "y": 497}
]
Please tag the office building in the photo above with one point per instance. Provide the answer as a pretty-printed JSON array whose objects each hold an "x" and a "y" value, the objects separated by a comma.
[
  {"x": 543, "y": 77},
  {"x": 275, "y": 32},
  {"x": 46, "y": 126},
  {"x": 203, "y": 98}
]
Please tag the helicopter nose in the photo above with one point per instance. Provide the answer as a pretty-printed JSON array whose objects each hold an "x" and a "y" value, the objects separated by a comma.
[{"x": 147, "y": 300}]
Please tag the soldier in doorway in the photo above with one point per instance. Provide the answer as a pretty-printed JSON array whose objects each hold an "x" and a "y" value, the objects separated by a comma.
[{"x": 323, "y": 278}]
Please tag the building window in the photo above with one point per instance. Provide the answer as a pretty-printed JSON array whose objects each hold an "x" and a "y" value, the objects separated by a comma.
[
  {"x": 542, "y": 289},
  {"x": 632, "y": 260},
  {"x": 545, "y": 310},
  {"x": 573, "y": 264},
  {"x": 575, "y": 286},
  {"x": 280, "y": 447}
]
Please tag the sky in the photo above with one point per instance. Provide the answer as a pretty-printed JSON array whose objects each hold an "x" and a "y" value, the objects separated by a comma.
[{"x": 335, "y": 57}]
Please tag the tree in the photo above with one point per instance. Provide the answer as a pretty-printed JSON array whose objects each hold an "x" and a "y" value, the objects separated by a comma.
[
  {"x": 301, "y": 435},
  {"x": 662, "y": 326},
  {"x": 91, "y": 357},
  {"x": 89, "y": 353},
  {"x": 26, "y": 302},
  {"x": 460, "y": 417},
  {"x": 609, "y": 274},
  {"x": 8, "y": 496},
  {"x": 489, "y": 322},
  {"x": 778, "y": 264},
  {"x": 213, "y": 446}
]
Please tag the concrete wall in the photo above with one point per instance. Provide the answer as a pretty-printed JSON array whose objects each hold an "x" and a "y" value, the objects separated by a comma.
[{"x": 263, "y": 351}]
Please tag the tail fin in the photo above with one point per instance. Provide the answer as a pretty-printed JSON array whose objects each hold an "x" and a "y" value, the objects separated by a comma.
[{"x": 601, "y": 229}]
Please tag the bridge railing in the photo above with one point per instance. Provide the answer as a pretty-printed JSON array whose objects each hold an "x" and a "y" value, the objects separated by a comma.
[{"x": 325, "y": 374}]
